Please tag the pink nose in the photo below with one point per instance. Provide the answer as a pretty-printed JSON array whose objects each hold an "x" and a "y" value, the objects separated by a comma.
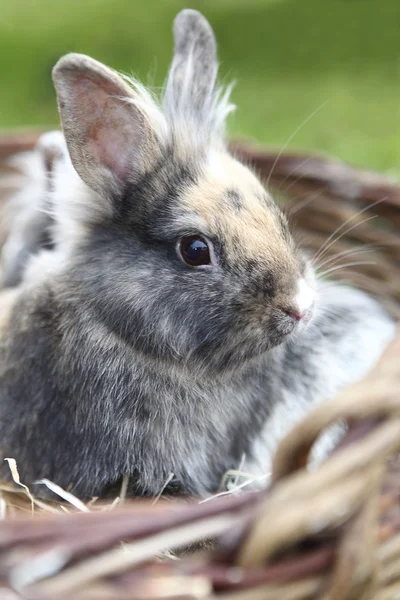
[{"x": 295, "y": 314}]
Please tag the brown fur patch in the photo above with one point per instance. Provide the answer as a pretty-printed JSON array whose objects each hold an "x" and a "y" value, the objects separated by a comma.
[{"x": 257, "y": 224}]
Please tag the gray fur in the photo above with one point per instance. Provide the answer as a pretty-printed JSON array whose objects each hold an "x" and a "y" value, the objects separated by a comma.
[
  {"x": 120, "y": 358},
  {"x": 234, "y": 201}
]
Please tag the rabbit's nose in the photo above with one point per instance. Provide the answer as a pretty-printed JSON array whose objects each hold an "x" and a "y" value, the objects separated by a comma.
[
  {"x": 294, "y": 314},
  {"x": 303, "y": 302}
]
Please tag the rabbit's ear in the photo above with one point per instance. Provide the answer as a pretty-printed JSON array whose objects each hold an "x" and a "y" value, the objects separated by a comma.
[
  {"x": 109, "y": 138},
  {"x": 191, "y": 82}
]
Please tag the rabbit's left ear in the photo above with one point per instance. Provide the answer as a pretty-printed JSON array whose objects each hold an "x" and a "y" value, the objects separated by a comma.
[{"x": 109, "y": 138}]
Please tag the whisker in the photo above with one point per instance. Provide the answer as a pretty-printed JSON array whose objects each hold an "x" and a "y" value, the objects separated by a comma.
[
  {"x": 350, "y": 252},
  {"x": 346, "y": 265},
  {"x": 303, "y": 204},
  {"x": 292, "y": 173},
  {"x": 334, "y": 241},
  {"x": 357, "y": 214},
  {"x": 291, "y": 137}
]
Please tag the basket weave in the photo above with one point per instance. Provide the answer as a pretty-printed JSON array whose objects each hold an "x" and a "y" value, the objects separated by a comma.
[{"x": 332, "y": 533}]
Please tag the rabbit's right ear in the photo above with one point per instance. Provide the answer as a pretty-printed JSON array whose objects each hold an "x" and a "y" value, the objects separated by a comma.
[
  {"x": 109, "y": 138},
  {"x": 191, "y": 83}
]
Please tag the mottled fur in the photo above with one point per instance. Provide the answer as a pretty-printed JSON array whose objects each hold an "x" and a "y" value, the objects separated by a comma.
[{"x": 119, "y": 357}]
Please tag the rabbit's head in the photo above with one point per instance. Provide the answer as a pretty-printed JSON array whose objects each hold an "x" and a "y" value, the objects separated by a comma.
[{"x": 174, "y": 245}]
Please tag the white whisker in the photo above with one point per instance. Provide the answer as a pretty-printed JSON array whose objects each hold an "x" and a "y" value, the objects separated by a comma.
[
  {"x": 334, "y": 241},
  {"x": 291, "y": 137},
  {"x": 360, "y": 212},
  {"x": 293, "y": 173},
  {"x": 351, "y": 252},
  {"x": 346, "y": 265},
  {"x": 303, "y": 204}
]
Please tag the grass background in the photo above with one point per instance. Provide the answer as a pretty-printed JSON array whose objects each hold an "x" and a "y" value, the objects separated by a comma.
[{"x": 289, "y": 57}]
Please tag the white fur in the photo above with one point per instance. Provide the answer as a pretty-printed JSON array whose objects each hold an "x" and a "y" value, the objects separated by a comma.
[
  {"x": 33, "y": 191},
  {"x": 51, "y": 140},
  {"x": 305, "y": 297},
  {"x": 74, "y": 206},
  {"x": 176, "y": 122},
  {"x": 351, "y": 359},
  {"x": 21, "y": 205}
]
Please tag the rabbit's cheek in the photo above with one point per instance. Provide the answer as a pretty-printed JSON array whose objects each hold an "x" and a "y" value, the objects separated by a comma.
[
  {"x": 285, "y": 325},
  {"x": 263, "y": 332}
]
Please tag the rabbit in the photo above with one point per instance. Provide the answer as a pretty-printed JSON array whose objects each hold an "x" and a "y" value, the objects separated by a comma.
[
  {"x": 175, "y": 326},
  {"x": 28, "y": 214}
]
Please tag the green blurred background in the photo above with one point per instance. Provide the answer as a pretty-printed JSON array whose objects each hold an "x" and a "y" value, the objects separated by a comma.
[{"x": 289, "y": 58}]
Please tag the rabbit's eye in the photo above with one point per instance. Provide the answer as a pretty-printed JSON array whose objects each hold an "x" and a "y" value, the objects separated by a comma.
[{"x": 194, "y": 251}]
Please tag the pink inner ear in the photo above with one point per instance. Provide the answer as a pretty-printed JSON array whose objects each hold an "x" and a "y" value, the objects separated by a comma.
[{"x": 109, "y": 125}]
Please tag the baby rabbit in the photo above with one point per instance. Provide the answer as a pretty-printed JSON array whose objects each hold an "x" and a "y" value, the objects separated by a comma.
[
  {"x": 28, "y": 213},
  {"x": 176, "y": 326}
]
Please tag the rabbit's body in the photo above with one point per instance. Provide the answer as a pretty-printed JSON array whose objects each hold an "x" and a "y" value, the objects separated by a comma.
[
  {"x": 82, "y": 407},
  {"x": 176, "y": 326},
  {"x": 92, "y": 409}
]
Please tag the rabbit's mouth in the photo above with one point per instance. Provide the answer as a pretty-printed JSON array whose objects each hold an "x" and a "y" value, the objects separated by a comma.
[{"x": 250, "y": 343}]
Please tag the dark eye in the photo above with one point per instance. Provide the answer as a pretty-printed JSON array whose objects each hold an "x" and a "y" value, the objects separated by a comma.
[{"x": 195, "y": 251}]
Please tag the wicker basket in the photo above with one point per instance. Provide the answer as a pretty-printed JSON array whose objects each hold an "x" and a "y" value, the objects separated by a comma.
[{"x": 331, "y": 533}]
